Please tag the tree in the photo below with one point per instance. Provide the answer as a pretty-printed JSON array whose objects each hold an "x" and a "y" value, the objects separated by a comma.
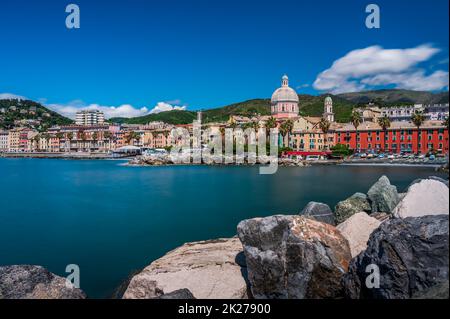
[
  {"x": 285, "y": 129},
  {"x": 36, "y": 140},
  {"x": 341, "y": 150},
  {"x": 270, "y": 124},
  {"x": 324, "y": 126},
  {"x": 445, "y": 122},
  {"x": 356, "y": 120},
  {"x": 385, "y": 123},
  {"x": 70, "y": 138},
  {"x": 418, "y": 118},
  {"x": 132, "y": 136}
]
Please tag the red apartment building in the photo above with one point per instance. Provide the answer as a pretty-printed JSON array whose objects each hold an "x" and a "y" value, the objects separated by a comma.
[{"x": 399, "y": 137}]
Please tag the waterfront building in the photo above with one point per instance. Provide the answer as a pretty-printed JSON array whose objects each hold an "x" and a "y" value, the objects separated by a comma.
[
  {"x": 4, "y": 141},
  {"x": 14, "y": 140},
  {"x": 284, "y": 101},
  {"x": 437, "y": 112},
  {"x": 308, "y": 137},
  {"x": 399, "y": 137},
  {"x": 328, "y": 109},
  {"x": 431, "y": 112},
  {"x": 89, "y": 117}
]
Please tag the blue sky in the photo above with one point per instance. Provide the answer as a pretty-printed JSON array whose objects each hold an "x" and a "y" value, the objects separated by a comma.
[{"x": 134, "y": 55}]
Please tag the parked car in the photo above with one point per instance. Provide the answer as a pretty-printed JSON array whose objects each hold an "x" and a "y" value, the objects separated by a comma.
[
  {"x": 370, "y": 155},
  {"x": 391, "y": 156},
  {"x": 363, "y": 155},
  {"x": 381, "y": 156},
  {"x": 432, "y": 157},
  {"x": 312, "y": 157}
]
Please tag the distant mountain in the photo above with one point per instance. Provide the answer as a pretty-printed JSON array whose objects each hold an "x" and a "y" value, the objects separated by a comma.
[
  {"x": 247, "y": 108},
  {"x": 310, "y": 105},
  {"x": 15, "y": 112},
  {"x": 390, "y": 97},
  {"x": 171, "y": 117}
]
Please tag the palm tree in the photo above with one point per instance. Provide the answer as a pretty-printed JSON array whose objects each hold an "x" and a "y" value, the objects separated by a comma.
[
  {"x": 132, "y": 136},
  {"x": 385, "y": 123},
  {"x": 418, "y": 118},
  {"x": 255, "y": 125},
  {"x": 233, "y": 125},
  {"x": 107, "y": 136},
  {"x": 36, "y": 140},
  {"x": 70, "y": 138},
  {"x": 270, "y": 124},
  {"x": 356, "y": 120},
  {"x": 285, "y": 129},
  {"x": 324, "y": 125},
  {"x": 83, "y": 137}
]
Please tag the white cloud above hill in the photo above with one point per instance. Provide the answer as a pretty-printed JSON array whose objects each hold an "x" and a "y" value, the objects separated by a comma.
[
  {"x": 124, "y": 110},
  {"x": 375, "y": 66}
]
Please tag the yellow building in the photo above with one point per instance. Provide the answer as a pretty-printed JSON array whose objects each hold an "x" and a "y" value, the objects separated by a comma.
[{"x": 308, "y": 137}]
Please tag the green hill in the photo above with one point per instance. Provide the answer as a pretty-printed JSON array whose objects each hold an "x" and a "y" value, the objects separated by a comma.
[
  {"x": 171, "y": 117},
  {"x": 390, "y": 97},
  {"x": 14, "y": 113}
]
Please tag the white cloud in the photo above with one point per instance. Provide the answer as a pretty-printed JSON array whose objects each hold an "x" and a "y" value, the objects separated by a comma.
[
  {"x": 7, "y": 96},
  {"x": 412, "y": 81},
  {"x": 126, "y": 110},
  {"x": 373, "y": 66},
  {"x": 165, "y": 106}
]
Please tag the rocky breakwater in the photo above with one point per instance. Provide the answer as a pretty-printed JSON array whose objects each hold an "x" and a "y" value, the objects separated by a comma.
[
  {"x": 294, "y": 257},
  {"x": 213, "y": 269},
  {"x": 319, "y": 253},
  {"x": 410, "y": 257},
  {"x": 151, "y": 160},
  {"x": 34, "y": 282}
]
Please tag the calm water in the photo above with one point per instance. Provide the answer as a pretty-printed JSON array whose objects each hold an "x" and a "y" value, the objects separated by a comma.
[{"x": 112, "y": 219}]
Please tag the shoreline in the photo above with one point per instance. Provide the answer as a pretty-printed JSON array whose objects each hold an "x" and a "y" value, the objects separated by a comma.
[{"x": 281, "y": 162}]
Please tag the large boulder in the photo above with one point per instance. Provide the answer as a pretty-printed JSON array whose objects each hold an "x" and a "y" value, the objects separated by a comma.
[
  {"x": 177, "y": 294},
  {"x": 319, "y": 211},
  {"x": 35, "y": 282},
  {"x": 439, "y": 291},
  {"x": 293, "y": 257},
  {"x": 383, "y": 196},
  {"x": 436, "y": 178},
  {"x": 212, "y": 269},
  {"x": 357, "y": 230},
  {"x": 356, "y": 203},
  {"x": 426, "y": 197},
  {"x": 411, "y": 255}
]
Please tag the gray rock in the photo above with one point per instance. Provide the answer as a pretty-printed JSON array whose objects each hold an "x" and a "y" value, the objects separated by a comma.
[
  {"x": 436, "y": 178},
  {"x": 319, "y": 211},
  {"x": 436, "y": 292},
  {"x": 412, "y": 256},
  {"x": 34, "y": 282},
  {"x": 293, "y": 257},
  {"x": 357, "y": 230},
  {"x": 177, "y": 294},
  {"x": 211, "y": 269},
  {"x": 356, "y": 203},
  {"x": 427, "y": 197},
  {"x": 383, "y": 196}
]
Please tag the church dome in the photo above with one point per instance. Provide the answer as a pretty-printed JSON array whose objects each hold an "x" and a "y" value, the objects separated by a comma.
[
  {"x": 284, "y": 93},
  {"x": 328, "y": 100}
]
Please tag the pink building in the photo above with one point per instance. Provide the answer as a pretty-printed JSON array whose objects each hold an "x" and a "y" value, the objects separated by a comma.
[{"x": 284, "y": 101}]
